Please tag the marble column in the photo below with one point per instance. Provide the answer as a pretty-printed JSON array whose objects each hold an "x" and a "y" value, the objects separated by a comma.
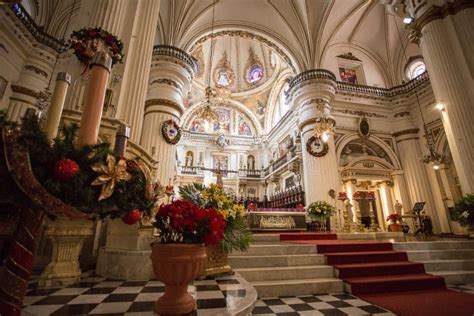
[
  {"x": 131, "y": 103},
  {"x": 313, "y": 91},
  {"x": 444, "y": 31},
  {"x": 33, "y": 79},
  {"x": 170, "y": 81},
  {"x": 417, "y": 179}
]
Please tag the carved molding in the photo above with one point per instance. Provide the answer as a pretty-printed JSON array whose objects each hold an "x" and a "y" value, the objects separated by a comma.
[
  {"x": 23, "y": 90},
  {"x": 164, "y": 102},
  {"x": 406, "y": 132},
  {"x": 36, "y": 70},
  {"x": 402, "y": 114},
  {"x": 168, "y": 82},
  {"x": 360, "y": 113},
  {"x": 349, "y": 56}
]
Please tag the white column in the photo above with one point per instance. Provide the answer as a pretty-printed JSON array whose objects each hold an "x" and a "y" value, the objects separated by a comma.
[
  {"x": 401, "y": 190},
  {"x": 109, "y": 15},
  {"x": 446, "y": 45},
  {"x": 415, "y": 173},
  {"x": 132, "y": 98}
]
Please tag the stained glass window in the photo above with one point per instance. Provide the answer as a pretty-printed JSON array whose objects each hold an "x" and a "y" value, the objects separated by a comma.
[
  {"x": 255, "y": 74},
  {"x": 415, "y": 69}
]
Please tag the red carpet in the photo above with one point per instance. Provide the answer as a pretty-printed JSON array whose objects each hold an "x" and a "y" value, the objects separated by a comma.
[
  {"x": 382, "y": 276},
  {"x": 306, "y": 236}
]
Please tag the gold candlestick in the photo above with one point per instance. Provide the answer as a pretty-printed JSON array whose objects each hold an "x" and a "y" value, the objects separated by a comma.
[{"x": 94, "y": 99}]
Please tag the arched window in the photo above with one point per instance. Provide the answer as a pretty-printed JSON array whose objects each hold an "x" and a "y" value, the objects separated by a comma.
[{"x": 415, "y": 68}]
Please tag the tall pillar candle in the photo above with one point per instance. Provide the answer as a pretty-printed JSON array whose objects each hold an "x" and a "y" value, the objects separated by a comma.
[
  {"x": 94, "y": 100},
  {"x": 63, "y": 80},
  {"x": 121, "y": 138}
]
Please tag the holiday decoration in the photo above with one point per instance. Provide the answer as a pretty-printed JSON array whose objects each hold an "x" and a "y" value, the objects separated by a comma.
[
  {"x": 132, "y": 217},
  {"x": 87, "y": 41},
  {"x": 65, "y": 169},
  {"x": 342, "y": 196},
  {"x": 110, "y": 173},
  {"x": 171, "y": 132},
  {"x": 316, "y": 147}
]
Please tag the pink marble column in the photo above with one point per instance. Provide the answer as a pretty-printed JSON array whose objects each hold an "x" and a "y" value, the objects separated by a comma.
[{"x": 94, "y": 100}]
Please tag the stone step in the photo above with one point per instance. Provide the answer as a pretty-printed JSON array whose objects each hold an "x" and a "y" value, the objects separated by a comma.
[
  {"x": 265, "y": 250},
  {"x": 426, "y": 255},
  {"x": 275, "y": 261},
  {"x": 266, "y": 238},
  {"x": 286, "y": 273},
  {"x": 297, "y": 287},
  {"x": 448, "y": 265},
  {"x": 456, "y": 277},
  {"x": 433, "y": 245}
]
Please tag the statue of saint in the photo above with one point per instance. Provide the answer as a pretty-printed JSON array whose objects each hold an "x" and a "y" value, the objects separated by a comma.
[
  {"x": 348, "y": 206},
  {"x": 398, "y": 207}
]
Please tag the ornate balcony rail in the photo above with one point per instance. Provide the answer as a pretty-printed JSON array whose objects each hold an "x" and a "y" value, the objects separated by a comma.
[
  {"x": 384, "y": 92},
  {"x": 36, "y": 31},
  {"x": 249, "y": 173},
  {"x": 176, "y": 53},
  {"x": 312, "y": 74}
]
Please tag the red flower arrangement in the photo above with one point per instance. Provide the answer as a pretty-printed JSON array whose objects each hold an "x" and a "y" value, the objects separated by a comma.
[
  {"x": 357, "y": 195},
  {"x": 85, "y": 43},
  {"x": 394, "y": 218},
  {"x": 182, "y": 222},
  {"x": 370, "y": 195},
  {"x": 342, "y": 196}
]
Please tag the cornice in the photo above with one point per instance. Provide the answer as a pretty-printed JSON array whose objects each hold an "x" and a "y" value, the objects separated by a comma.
[
  {"x": 406, "y": 132},
  {"x": 23, "y": 90},
  {"x": 164, "y": 102},
  {"x": 170, "y": 53}
]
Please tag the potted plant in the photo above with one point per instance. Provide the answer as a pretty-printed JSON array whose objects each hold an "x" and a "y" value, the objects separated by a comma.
[
  {"x": 179, "y": 253},
  {"x": 320, "y": 211},
  {"x": 394, "y": 220},
  {"x": 463, "y": 212}
]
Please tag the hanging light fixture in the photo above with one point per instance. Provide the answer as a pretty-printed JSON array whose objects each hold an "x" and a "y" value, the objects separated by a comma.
[
  {"x": 325, "y": 123},
  {"x": 432, "y": 157},
  {"x": 207, "y": 112}
]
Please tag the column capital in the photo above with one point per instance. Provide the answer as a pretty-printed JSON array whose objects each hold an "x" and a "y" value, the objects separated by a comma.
[
  {"x": 319, "y": 83},
  {"x": 177, "y": 56}
]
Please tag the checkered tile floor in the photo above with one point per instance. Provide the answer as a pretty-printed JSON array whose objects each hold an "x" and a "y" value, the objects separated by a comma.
[
  {"x": 329, "y": 304},
  {"x": 97, "y": 295}
]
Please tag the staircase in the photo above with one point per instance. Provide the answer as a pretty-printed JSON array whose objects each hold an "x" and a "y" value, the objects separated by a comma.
[
  {"x": 276, "y": 269},
  {"x": 453, "y": 260}
]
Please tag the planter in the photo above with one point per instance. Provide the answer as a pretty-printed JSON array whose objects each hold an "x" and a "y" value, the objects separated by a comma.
[
  {"x": 67, "y": 237},
  {"x": 395, "y": 228},
  {"x": 176, "y": 265},
  {"x": 217, "y": 262}
]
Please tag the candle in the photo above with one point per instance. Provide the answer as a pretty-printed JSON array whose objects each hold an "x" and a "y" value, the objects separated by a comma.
[
  {"x": 63, "y": 80},
  {"x": 94, "y": 99},
  {"x": 123, "y": 134}
]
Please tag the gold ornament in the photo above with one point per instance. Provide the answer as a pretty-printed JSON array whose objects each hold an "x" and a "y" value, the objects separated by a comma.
[{"x": 110, "y": 173}]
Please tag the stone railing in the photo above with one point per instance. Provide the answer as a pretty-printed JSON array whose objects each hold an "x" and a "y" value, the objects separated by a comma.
[
  {"x": 311, "y": 74},
  {"x": 177, "y": 53},
  {"x": 249, "y": 173},
  {"x": 384, "y": 92},
  {"x": 191, "y": 170},
  {"x": 36, "y": 30}
]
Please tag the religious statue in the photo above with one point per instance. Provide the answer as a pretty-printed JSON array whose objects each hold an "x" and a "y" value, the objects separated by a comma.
[
  {"x": 348, "y": 206},
  {"x": 398, "y": 207}
]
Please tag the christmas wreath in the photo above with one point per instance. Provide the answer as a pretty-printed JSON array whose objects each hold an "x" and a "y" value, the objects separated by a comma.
[
  {"x": 171, "y": 132},
  {"x": 90, "y": 178},
  {"x": 87, "y": 41}
]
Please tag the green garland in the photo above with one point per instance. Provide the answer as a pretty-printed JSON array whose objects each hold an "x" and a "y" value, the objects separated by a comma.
[{"x": 463, "y": 211}]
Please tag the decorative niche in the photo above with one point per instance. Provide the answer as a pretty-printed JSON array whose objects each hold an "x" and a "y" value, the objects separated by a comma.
[{"x": 350, "y": 69}]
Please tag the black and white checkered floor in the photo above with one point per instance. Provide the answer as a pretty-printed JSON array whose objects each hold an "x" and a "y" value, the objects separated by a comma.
[{"x": 220, "y": 296}]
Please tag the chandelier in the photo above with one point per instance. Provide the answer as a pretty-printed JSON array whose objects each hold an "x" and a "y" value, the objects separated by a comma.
[
  {"x": 325, "y": 123},
  {"x": 207, "y": 112}
]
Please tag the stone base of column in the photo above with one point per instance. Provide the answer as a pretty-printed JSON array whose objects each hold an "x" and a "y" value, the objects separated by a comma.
[
  {"x": 67, "y": 238},
  {"x": 126, "y": 254}
]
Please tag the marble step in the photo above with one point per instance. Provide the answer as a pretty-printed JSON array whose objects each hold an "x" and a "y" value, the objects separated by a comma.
[
  {"x": 448, "y": 265},
  {"x": 433, "y": 245},
  {"x": 297, "y": 287},
  {"x": 456, "y": 277},
  {"x": 275, "y": 261},
  {"x": 266, "y": 238},
  {"x": 426, "y": 255},
  {"x": 265, "y": 250},
  {"x": 286, "y": 273}
]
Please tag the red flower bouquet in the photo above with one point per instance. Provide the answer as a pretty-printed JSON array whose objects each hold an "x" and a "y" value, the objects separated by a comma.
[
  {"x": 394, "y": 218},
  {"x": 182, "y": 222},
  {"x": 342, "y": 196},
  {"x": 357, "y": 195}
]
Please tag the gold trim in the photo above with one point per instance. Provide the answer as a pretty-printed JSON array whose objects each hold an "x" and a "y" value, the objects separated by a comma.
[
  {"x": 163, "y": 112},
  {"x": 167, "y": 82},
  {"x": 36, "y": 70},
  {"x": 165, "y": 102},
  {"x": 23, "y": 90}
]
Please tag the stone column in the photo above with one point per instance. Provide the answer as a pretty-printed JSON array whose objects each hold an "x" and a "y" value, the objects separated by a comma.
[
  {"x": 415, "y": 171},
  {"x": 313, "y": 91},
  {"x": 170, "y": 80},
  {"x": 132, "y": 98},
  {"x": 445, "y": 33},
  {"x": 33, "y": 79},
  {"x": 401, "y": 190}
]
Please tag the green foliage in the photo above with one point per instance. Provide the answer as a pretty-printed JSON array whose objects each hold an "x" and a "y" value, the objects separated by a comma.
[
  {"x": 78, "y": 191},
  {"x": 321, "y": 210},
  {"x": 463, "y": 211}
]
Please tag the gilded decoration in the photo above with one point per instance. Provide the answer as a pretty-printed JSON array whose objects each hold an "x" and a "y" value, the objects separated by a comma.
[
  {"x": 23, "y": 90},
  {"x": 316, "y": 147},
  {"x": 348, "y": 56},
  {"x": 169, "y": 103},
  {"x": 201, "y": 65},
  {"x": 251, "y": 75},
  {"x": 171, "y": 132},
  {"x": 360, "y": 113},
  {"x": 36, "y": 70},
  {"x": 223, "y": 74},
  {"x": 166, "y": 81},
  {"x": 401, "y": 114}
]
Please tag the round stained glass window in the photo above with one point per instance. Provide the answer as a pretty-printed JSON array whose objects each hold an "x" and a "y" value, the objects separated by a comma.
[{"x": 255, "y": 74}]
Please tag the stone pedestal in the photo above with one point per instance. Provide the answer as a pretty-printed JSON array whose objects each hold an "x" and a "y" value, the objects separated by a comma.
[
  {"x": 67, "y": 238},
  {"x": 126, "y": 254}
]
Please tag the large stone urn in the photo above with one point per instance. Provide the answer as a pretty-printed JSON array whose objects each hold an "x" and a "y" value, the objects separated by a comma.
[
  {"x": 176, "y": 265},
  {"x": 67, "y": 237}
]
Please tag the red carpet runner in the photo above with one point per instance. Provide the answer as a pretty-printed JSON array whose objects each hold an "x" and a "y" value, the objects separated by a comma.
[{"x": 380, "y": 275}]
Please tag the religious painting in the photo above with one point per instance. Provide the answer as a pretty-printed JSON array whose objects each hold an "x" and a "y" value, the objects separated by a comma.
[
  {"x": 220, "y": 162},
  {"x": 3, "y": 86},
  {"x": 222, "y": 125},
  {"x": 197, "y": 125},
  {"x": 255, "y": 74},
  {"x": 348, "y": 75},
  {"x": 243, "y": 127},
  {"x": 284, "y": 146}
]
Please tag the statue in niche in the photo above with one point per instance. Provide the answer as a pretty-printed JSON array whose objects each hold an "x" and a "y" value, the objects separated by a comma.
[
  {"x": 189, "y": 159},
  {"x": 398, "y": 207}
]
